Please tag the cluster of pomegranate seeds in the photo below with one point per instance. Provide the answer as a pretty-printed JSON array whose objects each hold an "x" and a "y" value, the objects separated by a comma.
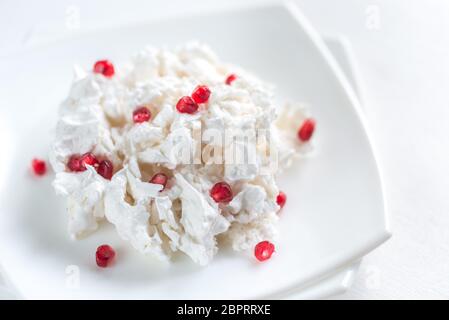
[
  {"x": 187, "y": 105},
  {"x": 230, "y": 79},
  {"x": 141, "y": 114},
  {"x": 105, "y": 169},
  {"x": 104, "y": 67},
  {"x": 201, "y": 94},
  {"x": 221, "y": 192},
  {"x": 160, "y": 178},
  {"x": 306, "y": 130},
  {"x": 281, "y": 199},
  {"x": 104, "y": 255},
  {"x": 39, "y": 167},
  {"x": 263, "y": 250},
  {"x": 78, "y": 163}
]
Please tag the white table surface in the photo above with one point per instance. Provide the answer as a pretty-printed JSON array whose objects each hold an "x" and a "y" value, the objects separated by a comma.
[{"x": 403, "y": 52}]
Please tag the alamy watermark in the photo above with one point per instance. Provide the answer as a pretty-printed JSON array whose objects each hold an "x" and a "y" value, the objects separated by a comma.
[
  {"x": 373, "y": 17},
  {"x": 73, "y": 18},
  {"x": 73, "y": 277},
  {"x": 233, "y": 146}
]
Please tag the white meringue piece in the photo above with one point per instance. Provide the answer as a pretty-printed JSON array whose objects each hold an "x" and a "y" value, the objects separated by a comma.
[
  {"x": 132, "y": 221},
  {"x": 201, "y": 223},
  {"x": 85, "y": 192}
]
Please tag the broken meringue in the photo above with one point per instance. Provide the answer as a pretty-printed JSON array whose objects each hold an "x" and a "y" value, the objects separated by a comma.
[{"x": 233, "y": 133}]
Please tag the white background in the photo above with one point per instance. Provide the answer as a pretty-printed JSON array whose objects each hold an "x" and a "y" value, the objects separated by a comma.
[{"x": 402, "y": 48}]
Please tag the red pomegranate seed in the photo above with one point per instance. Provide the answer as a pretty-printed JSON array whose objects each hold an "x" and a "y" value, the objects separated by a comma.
[
  {"x": 105, "y": 67},
  {"x": 39, "y": 166},
  {"x": 230, "y": 79},
  {"x": 221, "y": 192},
  {"x": 141, "y": 114},
  {"x": 105, "y": 169},
  {"x": 88, "y": 159},
  {"x": 281, "y": 199},
  {"x": 306, "y": 130},
  {"x": 263, "y": 250},
  {"x": 201, "y": 94},
  {"x": 104, "y": 255},
  {"x": 160, "y": 178},
  {"x": 187, "y": 105},
  {"x": 74, "y": 163}
]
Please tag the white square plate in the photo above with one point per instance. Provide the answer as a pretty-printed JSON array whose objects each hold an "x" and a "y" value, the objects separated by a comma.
[{"x": 335, "y": 213}]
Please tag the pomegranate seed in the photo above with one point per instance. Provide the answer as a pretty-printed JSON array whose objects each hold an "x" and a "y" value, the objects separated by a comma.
[
  {"x": 263, "y": 250},
  {"x": 160, "y": 178},
  {"x": 105, "y": 67},
  {"x": 74, "y": 163},
  {"x": 141, "y": 114},
  {"x": 39, "y": 166},
  {"x": 281, "y": 199},
  {"x": 104, "y": 255},
  {"x": 306, "y": 130},
  {"x": 221, "y": 192},
  {"x": 230, "y": 79},
  {"x": 201, "y": 94},
  {"x": 187, "y": 105},
  {"x": 105, "y": 169},
  {"x": 88, "y": 159}
]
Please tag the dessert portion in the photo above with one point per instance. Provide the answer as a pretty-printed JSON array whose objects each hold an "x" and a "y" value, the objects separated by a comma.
[{"x": 178, "y": 150}]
